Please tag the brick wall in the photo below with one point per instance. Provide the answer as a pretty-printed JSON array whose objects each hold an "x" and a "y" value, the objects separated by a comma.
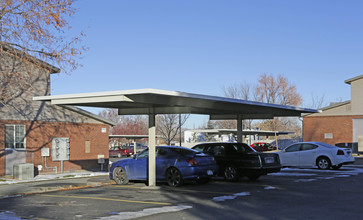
[
  {"x": 315, "y": 128},
  {"x": 40, "y": 134}
]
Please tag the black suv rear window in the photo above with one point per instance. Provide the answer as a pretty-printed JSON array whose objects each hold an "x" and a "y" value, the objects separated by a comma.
[{"x": 241, "y": 148}]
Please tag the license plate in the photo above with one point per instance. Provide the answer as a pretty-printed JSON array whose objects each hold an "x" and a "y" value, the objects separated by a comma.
[
  {"x": 269, "y": 160},
  {"x": 209, "y": 172}
]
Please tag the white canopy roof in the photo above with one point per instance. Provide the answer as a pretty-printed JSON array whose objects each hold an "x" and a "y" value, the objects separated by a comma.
[{"x": 153, "y": 101}]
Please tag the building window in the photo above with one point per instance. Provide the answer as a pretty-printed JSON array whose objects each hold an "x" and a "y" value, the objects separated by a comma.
[
  {"x": 15, "y": 136},
  {"x": 88, "y": 147}
]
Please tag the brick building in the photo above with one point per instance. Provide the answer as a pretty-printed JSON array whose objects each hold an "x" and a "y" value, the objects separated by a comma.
[
  {"x": 340, "y": 123},
  {"x": 49, "y": 136}
]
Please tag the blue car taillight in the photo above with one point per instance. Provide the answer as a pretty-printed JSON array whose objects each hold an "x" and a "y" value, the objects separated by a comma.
[{"x": 192, "y": 161}]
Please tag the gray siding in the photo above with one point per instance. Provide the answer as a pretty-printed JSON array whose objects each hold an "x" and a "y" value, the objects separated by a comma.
[{"x": 25, "y": 81}]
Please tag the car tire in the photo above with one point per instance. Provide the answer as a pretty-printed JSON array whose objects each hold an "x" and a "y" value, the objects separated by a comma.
[
  {"x": 253, "y": 177},
  {"x": 337, "y": 167},
  {"x": 120, "y": 176},
  {"x": 323, "y": 163},
  {"x": 231, "y": 173},
  {"x": 174, "y": 177}
]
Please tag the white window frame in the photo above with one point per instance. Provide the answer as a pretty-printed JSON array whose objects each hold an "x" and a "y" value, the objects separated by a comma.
[{"x": 15, "y": 138}]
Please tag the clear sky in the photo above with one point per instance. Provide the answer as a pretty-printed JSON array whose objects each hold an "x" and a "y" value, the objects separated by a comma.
[{"x": 200, "y": 46}]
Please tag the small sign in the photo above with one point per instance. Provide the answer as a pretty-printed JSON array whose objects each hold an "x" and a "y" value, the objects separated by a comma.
[
  {"x": 103, "y": 130},
  {"x": 45, "y": 152},
  {"x": 328, "y": 135},
  {"x": 101, "y": 158}
]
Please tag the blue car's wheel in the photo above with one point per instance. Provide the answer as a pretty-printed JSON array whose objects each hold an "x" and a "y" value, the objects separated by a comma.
[
  {"x": 120, "y": 177},
  {"x": 174, "y": 177}
]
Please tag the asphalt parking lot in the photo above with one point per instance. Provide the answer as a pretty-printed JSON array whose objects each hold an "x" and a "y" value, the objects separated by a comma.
[{"x": 290, "y": 194}]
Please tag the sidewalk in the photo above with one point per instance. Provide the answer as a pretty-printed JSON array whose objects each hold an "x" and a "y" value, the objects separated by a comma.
[{"x": 10, "y": 187}]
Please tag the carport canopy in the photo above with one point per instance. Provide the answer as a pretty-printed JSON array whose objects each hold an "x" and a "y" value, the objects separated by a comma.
[{"x": 153, "y": 101}]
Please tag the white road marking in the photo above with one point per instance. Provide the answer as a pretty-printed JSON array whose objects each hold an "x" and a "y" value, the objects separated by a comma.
[
  {"x": 326, "y": 178},
  {"x": 7, "y": 215},
  {"x": 291, "y": 174},
  {"x": 341, "y": 173},
  {"x": 146, "y": 212},
  {"x": 10, "y": 196},
  {"x": 224, "y": 198},
  {"x": 269, "y": 187},
  {"x": 304, "y": 180}
]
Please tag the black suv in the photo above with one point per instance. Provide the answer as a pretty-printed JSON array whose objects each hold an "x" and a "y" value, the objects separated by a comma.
[{"x": 238, "y": 159}]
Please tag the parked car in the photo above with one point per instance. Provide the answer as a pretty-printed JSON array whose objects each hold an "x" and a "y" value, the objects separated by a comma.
[
  {"x": 263, "y": 146},
  {"x": 315, "y": 154},
  {"x": 121, "y": 151},
  {"x": 238, "y": 159},
  {"x": 139, "y": 147},
  {"x": 173, "y": 165}
]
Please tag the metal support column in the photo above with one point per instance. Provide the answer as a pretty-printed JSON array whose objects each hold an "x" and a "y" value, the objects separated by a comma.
[
  {"x": 135, "y": 147},
  {"x": 239, "y": 129},
  {"x": 180, "y": 131},
  {"x": 152, "y": 158}
]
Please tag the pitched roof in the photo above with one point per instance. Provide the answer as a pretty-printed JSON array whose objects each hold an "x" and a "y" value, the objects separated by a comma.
[
  {"x": 89, "y": 114},
  {"x": 6, "y": 47},
  {"x": 331, "y": 106},
  {"x": 349, "y": 81},
  {"x": 335, "y": 105}
]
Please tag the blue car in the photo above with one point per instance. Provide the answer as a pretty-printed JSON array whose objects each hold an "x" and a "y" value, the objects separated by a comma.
[{"x": 174, "y": 165}]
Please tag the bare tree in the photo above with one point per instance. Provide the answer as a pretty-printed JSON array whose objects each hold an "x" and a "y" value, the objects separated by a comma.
[
  {"x": 317, "y": 101},
  {"x": 168, "y": 126},
  {"x": 269, "y": 89},
  {"x": 126, "y": 125},
  {"x": 276, "y": 91},
  {"x": 34, "y": 30},
  {"x": 237, "y": 91},
  {"x": 111, "y": 114},
  {"x": 221, "y": 124}
]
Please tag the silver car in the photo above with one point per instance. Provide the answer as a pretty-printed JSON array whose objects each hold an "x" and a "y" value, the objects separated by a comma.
[{"x": 315, "y": 154}]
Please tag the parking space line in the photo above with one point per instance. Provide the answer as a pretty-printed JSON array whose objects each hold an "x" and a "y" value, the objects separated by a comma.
[
  {"x": 107, "y": 199},
  {"x": 133, "y": 187},
  {"x": 187, "y": 190},
  {"x": 176, "y": 189},
  {"x": 172, "y": 189},
  {"x": 197, "y": 191}
]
